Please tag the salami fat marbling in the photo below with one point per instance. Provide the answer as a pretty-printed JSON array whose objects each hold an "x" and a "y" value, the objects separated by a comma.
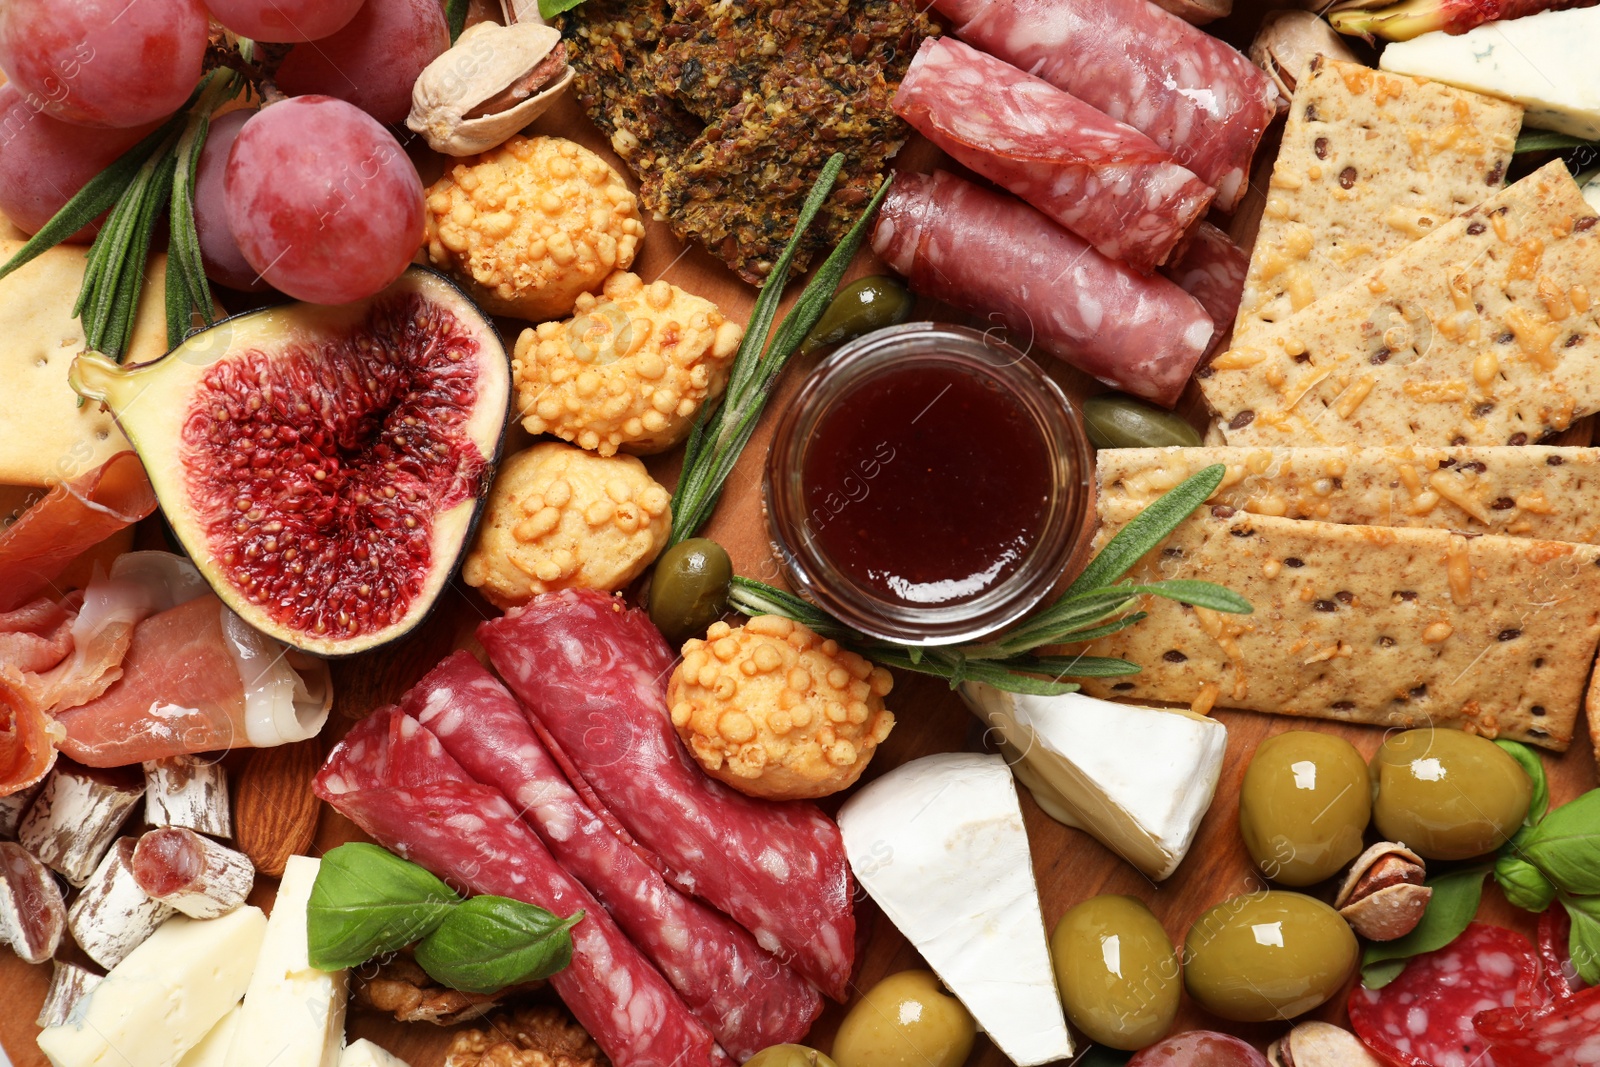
[{"x": 1211, "y": 268}]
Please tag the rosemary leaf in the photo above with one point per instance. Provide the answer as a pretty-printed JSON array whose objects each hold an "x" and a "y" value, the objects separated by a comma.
[{"x": 1148, "y": 529}]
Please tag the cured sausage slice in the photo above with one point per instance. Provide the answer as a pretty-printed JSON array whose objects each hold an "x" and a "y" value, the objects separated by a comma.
[
  {"x": 986, "y": 252},
  {"x": 1424, "y": 1017},
  {"x": 1212, "y": 269},
  {"x": 748, "y": 998},
  {"x": 1560, "y": 978},
  {"x": 1563, "y": 1034},
  {"x": 1100, "y": 178},
  {"x": 393, "y": 779},
  {"x": 594, "y": 675},
  {"x": 1191, "y": 93}
]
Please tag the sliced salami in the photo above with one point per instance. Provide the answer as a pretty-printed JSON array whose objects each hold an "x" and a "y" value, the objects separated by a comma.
[
  {"x": 1193, "y": 94},
  {"x": 1563, "y": 1034},
  {"x": 1100, "y": 178},
  {"x": 32, "y": 914},
  {"x": 747, "y": 997},
  {"x": 593, "y": 674},
  {"x": 986, "y": 252},
  {"x": 393, "y": 779},
  {"x": 1559, "y": 977},
  {"x": 1211, "y": 268},
  {"x": 1424, "y": 1017}
]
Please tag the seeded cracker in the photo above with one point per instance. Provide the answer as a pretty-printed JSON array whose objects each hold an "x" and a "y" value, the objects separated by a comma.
[
  {"x": 1370, "y": 162},
  {"x": 1486, "y": 332}
]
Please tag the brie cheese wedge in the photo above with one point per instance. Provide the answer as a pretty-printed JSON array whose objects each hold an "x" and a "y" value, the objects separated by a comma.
[
  {"x": 939, "y": 844},
  {"x": 161, "y": 1000},
  {"x": 1137, "y": 779},
  {"x": 364, "y": 1053},
  {"x": 1545, "y": 62},
  {"x": 293, "y": 1014}
]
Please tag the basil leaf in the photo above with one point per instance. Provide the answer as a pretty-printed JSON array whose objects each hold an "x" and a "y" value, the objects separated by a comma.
[
  {"x": 491, "y": 942},
  {"x": 1522, "y": 883},
  {"x": 1584, "y": 945},
  {"x": 549, "y": 9},
  {"x": 1566, "y": 845},
  {"x": 1533, "y": 767},
  {"x": 367, "y": 901},
  {"x": 1450, "y": 910}
]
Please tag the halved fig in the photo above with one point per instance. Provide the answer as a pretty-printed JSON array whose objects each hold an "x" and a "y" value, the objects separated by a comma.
[{"x": 323, "y": 466}]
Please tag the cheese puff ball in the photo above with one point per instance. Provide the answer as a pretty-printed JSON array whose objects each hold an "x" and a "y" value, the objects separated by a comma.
[
  {"x": 563, "y": 518},
  {"x": 775, "y": 711},
  {"x": 530, "y": 225},
  {"x": 628, "y": 371}
]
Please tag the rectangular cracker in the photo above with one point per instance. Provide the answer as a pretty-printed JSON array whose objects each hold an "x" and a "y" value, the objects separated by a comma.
[
  {"x": 1370, "y": 161},
  {"x": 1533, "y": 491},
  {"x": 1392, "y": 627},
  {"x": 1485, "y": 332}
]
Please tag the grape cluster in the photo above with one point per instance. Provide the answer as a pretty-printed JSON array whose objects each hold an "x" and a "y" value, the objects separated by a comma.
[{"x": 311, "y": 195}]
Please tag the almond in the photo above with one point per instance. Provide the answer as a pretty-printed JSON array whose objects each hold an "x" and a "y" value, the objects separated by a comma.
[{"x": 274, "y": 810}]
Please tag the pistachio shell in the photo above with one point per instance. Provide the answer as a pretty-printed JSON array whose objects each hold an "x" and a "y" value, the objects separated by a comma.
[
  {"x": 1369, "y": 859},
  {"x": 1389, "y": 913},
  {"x": 486, "y": 61},
  {"x": 1286, "y": 42},
  {"x": 1316, "y": 1044}
]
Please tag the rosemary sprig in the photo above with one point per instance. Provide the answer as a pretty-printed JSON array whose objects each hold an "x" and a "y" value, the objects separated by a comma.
[
  {"x": 1086, "y": 611},
  {"x": 721, "y": 432}
]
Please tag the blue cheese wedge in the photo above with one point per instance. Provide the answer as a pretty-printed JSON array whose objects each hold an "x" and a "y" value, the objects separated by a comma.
[
  {"x": 940, "y": 845},
  {"x": 1546, "y": 62},
  {"x": 293, "y": 1014},
  {"x": 1137, "y": 779},
  {"x": 364, "y": 1053},
  {"x": 165, "y": 997}
]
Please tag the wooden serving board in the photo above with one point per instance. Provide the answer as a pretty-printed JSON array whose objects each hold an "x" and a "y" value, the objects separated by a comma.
[{"x": 1069, "y": 865}]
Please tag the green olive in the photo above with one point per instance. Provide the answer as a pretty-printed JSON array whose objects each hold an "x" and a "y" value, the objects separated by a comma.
[
  {"x": 864, "y": 305},
  {"x": 1266, "y": 956},
  {"x": 906, "y": 1020},
  {"x": 1116, "y": 421},
  {"x": 1117, "y": 972},
  {"x": 689, "y": 590},
  {"x": 1304, "y": 806},
  {"x": 789, "y": 1056},
  {"x": 1448, "y": 795}
]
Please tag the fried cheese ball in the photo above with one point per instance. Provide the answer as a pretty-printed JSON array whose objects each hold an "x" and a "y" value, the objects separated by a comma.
[
  {"x": 775, "y": 711},
  {"x": 530, "y": 225},
  {"x": 628, "y": 371},
  {"x": 563, "y": 518}
]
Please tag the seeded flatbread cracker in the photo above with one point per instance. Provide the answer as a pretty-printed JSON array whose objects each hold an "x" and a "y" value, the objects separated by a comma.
[
  {"x": 48, "y": 436},
  {"x": 1370, "y": 162},
  {"x": 1535, "y": 491},
  {"x": 1393, "y": 627},
  {"x": 1486, "y": 332}
]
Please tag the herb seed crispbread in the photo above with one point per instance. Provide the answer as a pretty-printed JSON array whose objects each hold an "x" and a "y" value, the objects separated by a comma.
[
  {"x": 1370, "y": 162},
  {"x": 1485, "y": 332},
  {"x": 1535, "y": 491},
  {"x": 1395, "y": 627}
]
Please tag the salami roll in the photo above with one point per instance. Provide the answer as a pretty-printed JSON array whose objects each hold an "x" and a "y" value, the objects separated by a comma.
[
  {"x": 1194, "y": 95},
  {"x": 594, "y": 676},
  {"x": 747, "y": 997},
  {"x": 993, "y": 254},
  {"x": 1211, "y": 268},
  {"x": 393, "y": 779},
  {"x": 1424, "y": 1017},
  {"x": 1100, "y": 178}
]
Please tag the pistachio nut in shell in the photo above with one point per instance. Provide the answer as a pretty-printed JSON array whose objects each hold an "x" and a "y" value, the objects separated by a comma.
[
  {"x": 1288, "y": 39},
  {"x": 1383, "y": 896},
  {"x": 492, "y": 83},
  {"x": 1316, "y": 1044}
]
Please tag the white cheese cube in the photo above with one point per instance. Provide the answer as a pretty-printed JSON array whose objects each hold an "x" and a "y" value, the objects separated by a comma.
[
  {"x": 1137, "y": 779},
  {"x": 364, "y": 1053},
  {"x": 212, "y": 1051},
  {"x": 1545, "y": 62},
  {"x": 940, "y": 845},
  {"x": 161, "y": 1000},
  {"x": 293, "y": 1014}
]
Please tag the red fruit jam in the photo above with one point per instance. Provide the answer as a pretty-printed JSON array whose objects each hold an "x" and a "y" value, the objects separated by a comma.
[{"x": 927, "y": 484}]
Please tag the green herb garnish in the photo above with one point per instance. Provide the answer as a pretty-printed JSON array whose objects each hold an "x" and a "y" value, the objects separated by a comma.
[
  {"x": 1450, "y": 911},
  {"x": 1545, "y": 141},
  {"x": 549, "y": 9},
  {"x": 488, "y": 943},
  {"x": 1091, "y": 608}
]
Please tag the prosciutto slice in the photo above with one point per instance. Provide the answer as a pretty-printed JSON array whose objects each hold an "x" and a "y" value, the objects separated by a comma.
[
  {"x": 394, "y": 779},
  {"x": 1191, "y": 93},
  {"x": 985, "y": 252},
  {"x": 593, "y": 674},
  {"x": 745, "y": 996},
  {"x": 1100, "y": 178}
]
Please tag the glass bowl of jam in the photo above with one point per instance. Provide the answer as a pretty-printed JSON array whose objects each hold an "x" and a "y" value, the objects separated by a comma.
[{"x": 929, "y": 485}]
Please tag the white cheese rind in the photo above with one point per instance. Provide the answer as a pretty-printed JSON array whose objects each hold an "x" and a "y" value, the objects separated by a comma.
[
  {"x": 212, "y": 1051},
  {"x": 1137, "y": 779},
  {"x": 364, "y": 1053},
  {"x": 1589, "y": 181},
  {"x": 293, "y": 1014},
  {"x": 1545, "y": 62},
  {"x": 165, "y": 997},
  {"x": 939, "y": 843}
]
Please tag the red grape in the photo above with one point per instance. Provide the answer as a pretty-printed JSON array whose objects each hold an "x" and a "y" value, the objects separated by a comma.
[
  {"x": 323, "y": 201},
  {"x": 374, "y": 61},
  {"x": 104, "y": 62},
  {"x": 283, "y": 20},
  {"x": 224, "y": 263},
  {"x": 44, "y": 162}
]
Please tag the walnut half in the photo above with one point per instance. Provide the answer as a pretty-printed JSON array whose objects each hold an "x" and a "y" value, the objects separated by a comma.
[
  {"x": 544, "y": 1036},
  {"x": 404, "y": 990}
]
